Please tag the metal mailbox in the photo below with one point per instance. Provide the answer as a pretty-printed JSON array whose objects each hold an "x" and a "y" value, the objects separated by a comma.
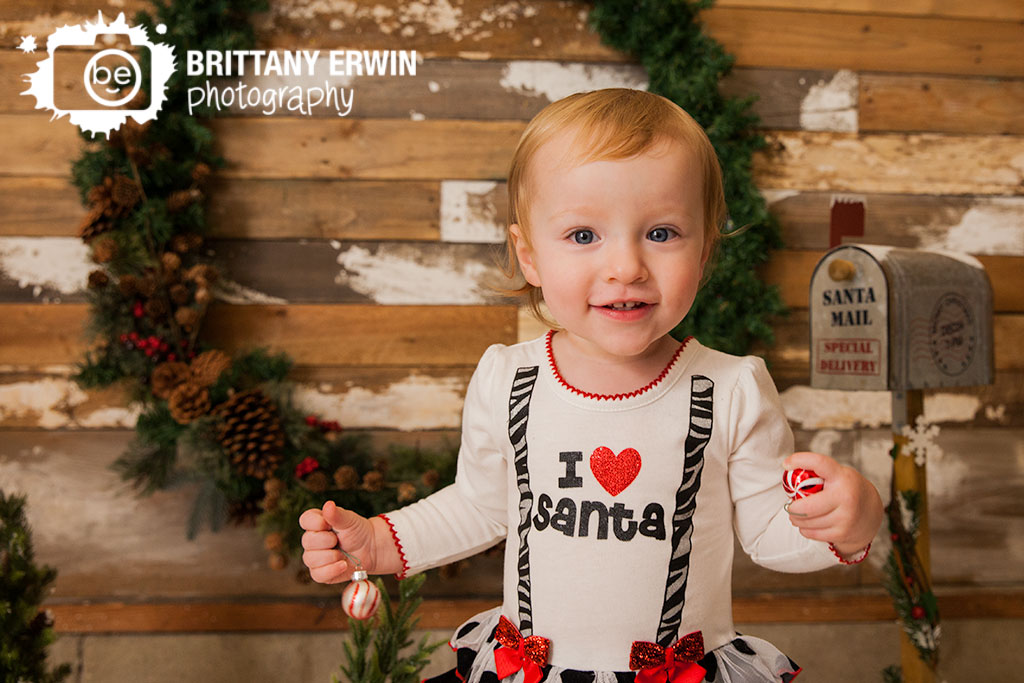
[{"x": 887, "y": 318}]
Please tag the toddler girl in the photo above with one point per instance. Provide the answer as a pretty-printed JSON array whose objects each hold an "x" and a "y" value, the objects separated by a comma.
[{"x": 617, "y": 462}]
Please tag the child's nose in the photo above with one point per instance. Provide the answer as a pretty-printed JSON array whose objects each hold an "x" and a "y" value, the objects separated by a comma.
[{"x": 625, "y": 264}]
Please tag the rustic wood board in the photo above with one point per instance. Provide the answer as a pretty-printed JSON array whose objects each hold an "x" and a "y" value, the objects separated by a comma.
[
  {"x": 982, "y": 9},
  {"x": 941, "y": 104},
  {"x": 389, "y": 398},
  {"x": 39, "y": 206},
  {"x": 873, "y": 40},
  {"x": 381, "y": 149},
  {"x": 377, "y": 149},
  {"x": 868, "y": 42},
  {"x": 40, "y": 335},
  {"x": 330, "y": 209},
  {"x": 977, "y": 225},
  {"x": 325, "y": 615},
  {"x": 52, "y": 269},
  {"x": 915, "y": 164}
]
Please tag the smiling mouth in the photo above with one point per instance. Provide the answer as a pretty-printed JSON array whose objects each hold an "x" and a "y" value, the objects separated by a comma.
[{"x": 625, "y": 305}]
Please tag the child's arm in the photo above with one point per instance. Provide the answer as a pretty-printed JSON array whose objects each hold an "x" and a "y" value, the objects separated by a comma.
[
  {"x": 332, "y": 528},
  {"x": 847, "y": 513}
]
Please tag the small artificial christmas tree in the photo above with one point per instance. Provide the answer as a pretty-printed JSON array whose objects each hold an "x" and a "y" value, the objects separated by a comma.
[
  {"x": 375, "y": 653},
  {"x": 25, "y": 631}
]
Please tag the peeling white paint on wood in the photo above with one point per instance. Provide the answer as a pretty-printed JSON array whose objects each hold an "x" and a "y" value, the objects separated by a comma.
[
  {"x": 410, "y": 18},
  {"x": 832, "y": 409},
  {"x": 989, "y": 226},
  {"x": 469, "y": 212},
  {"x": 776, "y": 196},
  {"x": 831, "y": 105},
  {"x": 232, "y": 292},
  {"x": 401, "y": 275},
  {"x": 54, "y": 402},
  {"x": 416, "y": 402},
  {"x": 50, "y": 399},
  {"x": 60, "y": 263},
  {"x": 555, "y": 80},
  {"x": 811, "y": 408}
]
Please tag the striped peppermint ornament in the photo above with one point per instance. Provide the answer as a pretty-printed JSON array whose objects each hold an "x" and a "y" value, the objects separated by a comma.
[
  {"x": 800, "y": 483},
  {"x": 360, "y": 598}
]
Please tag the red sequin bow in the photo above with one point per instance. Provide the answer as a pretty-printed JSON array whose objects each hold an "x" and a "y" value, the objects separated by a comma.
[
  {"x": 674, "y": 664},
  {"x": 528, "y": 654}
]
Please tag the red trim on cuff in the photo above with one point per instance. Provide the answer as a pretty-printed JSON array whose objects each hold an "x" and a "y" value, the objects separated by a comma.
[
  {"x": 857, "y": 558},
  {"x": 398, "y": 544}
]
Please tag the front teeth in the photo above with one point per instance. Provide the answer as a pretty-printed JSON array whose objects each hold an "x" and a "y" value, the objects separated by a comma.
[{"x": 625, "y": 305}]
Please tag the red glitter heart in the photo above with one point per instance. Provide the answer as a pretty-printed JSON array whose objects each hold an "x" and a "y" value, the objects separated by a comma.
[{"x": 615, "y": 472}]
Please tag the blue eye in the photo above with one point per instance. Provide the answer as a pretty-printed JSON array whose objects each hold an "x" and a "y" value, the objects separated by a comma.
[
  {"x": 583, "y": 236},
  {"x": 660, "y": 235}
]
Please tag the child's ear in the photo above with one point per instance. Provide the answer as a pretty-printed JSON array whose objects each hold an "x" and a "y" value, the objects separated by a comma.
[{"x": 524, "y": 255}]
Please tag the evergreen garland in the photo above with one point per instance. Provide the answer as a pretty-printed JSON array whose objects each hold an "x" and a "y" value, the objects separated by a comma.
[
  {"x": 25, "y": 630},
  {"x": 905, "y": 578},
  {"x": 227, "y": 424},
  {"x": 734, "y": 307}
]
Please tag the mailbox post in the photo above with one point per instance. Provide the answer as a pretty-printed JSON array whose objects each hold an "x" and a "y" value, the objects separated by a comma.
[{"x": 902, "y": 320}]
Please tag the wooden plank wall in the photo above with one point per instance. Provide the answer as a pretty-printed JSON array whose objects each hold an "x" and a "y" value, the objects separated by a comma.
[{"x": 365, "y": 247}]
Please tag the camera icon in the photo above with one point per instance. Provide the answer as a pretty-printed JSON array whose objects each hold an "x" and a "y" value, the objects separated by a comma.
[{"x": 100, "y": 72}]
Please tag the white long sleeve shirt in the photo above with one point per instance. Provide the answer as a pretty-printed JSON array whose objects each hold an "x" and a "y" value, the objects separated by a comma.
[{"x": 618, "y": 512}]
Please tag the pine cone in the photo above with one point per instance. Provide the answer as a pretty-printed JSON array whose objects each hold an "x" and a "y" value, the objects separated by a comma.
[
  {"x": 188, "y": 402},
  {"x": 104, "y": 251},
  {"x": 167, "y": 377},
  {"x": 201, "y": 173},
  {"x": 273, "y": 486},
  {"x": 187, "y": 317},
  {"x": 430, "y": 478},
  {"x": 125, "y": 193},
  {"x": 373, "y": 481},
  {"x": 129, "y": 285},
  {"x": 274, "y": 541},
  {"x": 406, "y": 492},
  {"x": 98, "y": 279},
  {"x": 95, "y": 223},
  {"x": 170, "y": 261},
  {"x": 182, "y": 199},
  {"x": 180, "y": 294},
  {"x": 203, "y": 296},
  {"x": 208, "y": 366},
  {"x": 147, "y": 284},
  {"x": 156, "y": 308},
  {"x": 250, "y": 431},
  {"x": 316, "y": 482},
  {"x": 346, "y": 478},
  {"x": 244, "y": 512}
]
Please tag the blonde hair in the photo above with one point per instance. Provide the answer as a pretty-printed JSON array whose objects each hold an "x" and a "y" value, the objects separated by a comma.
[{"x": 614, "y": 123}]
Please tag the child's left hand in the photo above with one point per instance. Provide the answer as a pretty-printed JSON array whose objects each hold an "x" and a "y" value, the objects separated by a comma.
[{"x": 847, "y": 513}]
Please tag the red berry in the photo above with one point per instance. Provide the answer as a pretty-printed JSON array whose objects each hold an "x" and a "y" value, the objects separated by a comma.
[
  {"x": 133, "y": 335},
  {"x": 917, "y": 612},
  {"x": 171, "y": 357},
  {"x": 137, "y": 310},
  {"x": 163, "y": 346},
  {"x": 150, "y": 352},
  {"x": 894, "y": 537},
  {"x": 154, "y": 341},
  {"x": 311, "y": 420}
]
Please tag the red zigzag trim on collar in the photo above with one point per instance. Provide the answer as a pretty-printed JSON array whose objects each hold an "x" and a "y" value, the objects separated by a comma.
[{"x": 610, "y": 397}]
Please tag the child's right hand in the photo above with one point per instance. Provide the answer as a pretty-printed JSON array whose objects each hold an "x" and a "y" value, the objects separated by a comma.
[{"x": 332, "y": 528}]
